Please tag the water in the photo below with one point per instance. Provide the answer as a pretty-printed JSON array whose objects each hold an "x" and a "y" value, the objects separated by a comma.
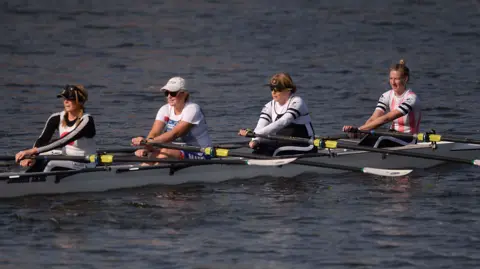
[{"x": 337, "y": 52}]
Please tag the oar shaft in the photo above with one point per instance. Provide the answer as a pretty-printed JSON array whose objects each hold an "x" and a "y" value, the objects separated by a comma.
[
  {"x": 53, "y": 173},
  {"x": 328, "y": 165},
  {"x": 459, "y": 139},
  {"x": 332, "y": 144},
  {"x": 404, "y": 153},
  {"x": 111, "y": 158},
  {"x": 427, "y": 137},
  {"x": 211, "y": 151},
  {"x": 380, "y": 133},
  {"x": 118, "y": 150},
  {"x": 283, "y": 138}
]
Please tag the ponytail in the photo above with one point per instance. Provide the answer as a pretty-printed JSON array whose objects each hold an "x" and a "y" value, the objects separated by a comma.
[{"x": 79, "y": 118}]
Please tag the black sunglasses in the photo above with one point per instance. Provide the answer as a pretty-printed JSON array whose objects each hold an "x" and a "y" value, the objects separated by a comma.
[
  {"x": 172, "y": 94},
  {"x": 274, "y": 88}
]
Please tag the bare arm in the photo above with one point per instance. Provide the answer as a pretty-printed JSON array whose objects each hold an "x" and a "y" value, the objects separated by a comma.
[
  {"x": 376, "y": 114},
  {"x": 181, "y": 129},
  {"x": 157, "y": 129},
  {"x": 377, "y": 119}
]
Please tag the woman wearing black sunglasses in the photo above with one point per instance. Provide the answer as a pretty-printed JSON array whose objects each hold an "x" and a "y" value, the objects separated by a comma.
[
  {"x": 76, "y": 130},
  {"x": 179, "y": 118},
  {"x": 286, "y": 115}
]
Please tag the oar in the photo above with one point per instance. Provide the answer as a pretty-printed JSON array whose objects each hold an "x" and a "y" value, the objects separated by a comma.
[
  {"x": 331, "y": 144},
  {"x": 365, "y": 170},
  {"x": 62, "y": 157},
  {"x": 118, "y": 150},
  {"x": 218, "y": 152},
  {"x": 228, "y": 145},
  {"x": 108, "y": 159},
  {"x": 4, "y": 176},
  {"x": 427, "y": 137}
]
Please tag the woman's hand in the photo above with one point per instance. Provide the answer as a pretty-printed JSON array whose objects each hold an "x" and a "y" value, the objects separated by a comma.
[
  {"x": 244, "y": 132},
  {"x": 253, "y": 144},
  {"x": 349, "y": 128},
  {"x": 20, "y": 155},
  {"x": 137, "y": 141},
  {"x": 141, "y": 153},
  {"x": 27, "y": 162},
  {"x": 352, "y": 132}
]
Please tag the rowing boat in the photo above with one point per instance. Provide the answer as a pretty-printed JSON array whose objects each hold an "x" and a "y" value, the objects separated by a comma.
[{"x": 120, "y": 176}]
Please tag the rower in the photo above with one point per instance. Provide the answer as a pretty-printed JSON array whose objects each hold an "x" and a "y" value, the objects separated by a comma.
[
  {"x": 404, "y": 111},
  {"x": 76, "y": 130},
  {"x": 178, "y": 119},
  {"x": 286, "y": 115}
]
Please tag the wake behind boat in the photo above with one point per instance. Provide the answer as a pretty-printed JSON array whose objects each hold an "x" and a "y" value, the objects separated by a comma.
[{"x": 119, "y": 176}]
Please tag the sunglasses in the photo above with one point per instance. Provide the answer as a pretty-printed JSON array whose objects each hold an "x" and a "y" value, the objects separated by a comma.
[
  {"x": 172, "y": 94},
  {"x": 277, "y": 89}
]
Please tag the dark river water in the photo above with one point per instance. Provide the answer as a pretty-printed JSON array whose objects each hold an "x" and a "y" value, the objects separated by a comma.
[{"x": 338, "y": 53}]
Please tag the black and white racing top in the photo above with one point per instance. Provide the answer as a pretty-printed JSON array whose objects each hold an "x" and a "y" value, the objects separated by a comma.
[
  {"x": 75, "y": 139},
  {"x": 289, "y": 119}
]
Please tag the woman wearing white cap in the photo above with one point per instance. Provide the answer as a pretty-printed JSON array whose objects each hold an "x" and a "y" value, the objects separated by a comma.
[
  {"x": 76, "y": 130},
  {"x": 179, "y": 118}
]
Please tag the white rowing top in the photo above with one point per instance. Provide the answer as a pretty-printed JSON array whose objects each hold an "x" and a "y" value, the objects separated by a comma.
[{"x": 191, "y": 113}]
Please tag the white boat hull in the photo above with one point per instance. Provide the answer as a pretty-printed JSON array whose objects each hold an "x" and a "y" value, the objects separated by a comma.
[{"x": 108, "y": 180}]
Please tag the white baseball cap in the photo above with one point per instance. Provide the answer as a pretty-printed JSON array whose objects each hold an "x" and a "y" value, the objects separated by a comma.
[{"x": 174, "y": 84}]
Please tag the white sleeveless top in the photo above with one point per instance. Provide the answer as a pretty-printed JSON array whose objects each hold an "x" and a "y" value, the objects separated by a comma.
[
  {"x": 408, "y": 104},
  {"x": 191, "y": 113}
]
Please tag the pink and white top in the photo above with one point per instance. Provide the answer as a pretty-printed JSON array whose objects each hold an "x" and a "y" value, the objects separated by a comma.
[{"x": 408, "y": 104}]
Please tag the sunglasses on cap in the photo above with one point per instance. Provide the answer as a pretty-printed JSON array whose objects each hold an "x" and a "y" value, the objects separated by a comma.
[
  {"x": 72, "y": 93},
  {"x": 172, "y": 94}
]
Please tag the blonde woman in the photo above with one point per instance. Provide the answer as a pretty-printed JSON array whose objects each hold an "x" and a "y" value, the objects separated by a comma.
[
  {"x": 399, "y": 106},
  {"x": 286, "y": 115},
  {"x": 76, "y": 130},
  {"x": 178, "y": 119}
]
